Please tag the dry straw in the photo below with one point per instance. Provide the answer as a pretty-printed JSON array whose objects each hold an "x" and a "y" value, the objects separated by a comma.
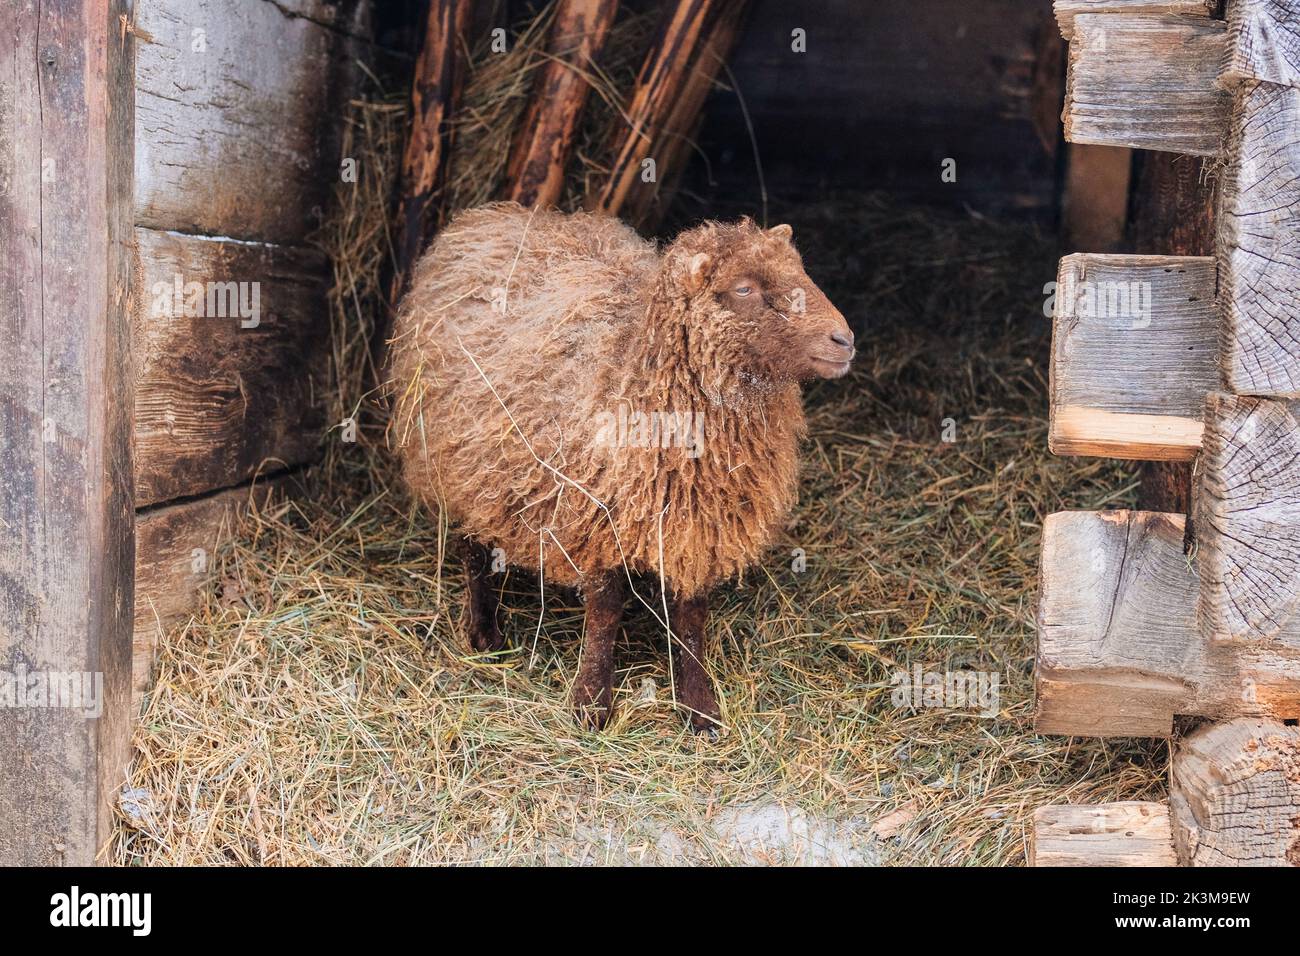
[{"x": 321, "y": 706}]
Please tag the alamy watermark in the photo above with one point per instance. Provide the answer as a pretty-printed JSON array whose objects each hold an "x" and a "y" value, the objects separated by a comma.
[
  {"x": 212, "y": 300},
  {"x": 1099, "y": 300},
  {"x": 75, "y": 690},
  {"x": 655, "y": 429},
  {"x": 920, "y": 688}
]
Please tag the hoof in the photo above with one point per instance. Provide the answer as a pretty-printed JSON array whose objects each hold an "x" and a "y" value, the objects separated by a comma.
[
  {"x": 485, "y": 641},
  {"x": 710, "y": 730},
  {"x": 592, "y": 706},
  {"x": 702, "y": 711}
]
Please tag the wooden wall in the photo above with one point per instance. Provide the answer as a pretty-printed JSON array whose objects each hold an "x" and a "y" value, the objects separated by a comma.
[
  {"x": 238, "y": 111},
  {"x": 886, "y": 92}
]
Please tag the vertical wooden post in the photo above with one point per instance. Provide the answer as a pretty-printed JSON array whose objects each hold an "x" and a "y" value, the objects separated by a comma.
[
  {"x": 439, "y": 72},
  {"x": 66, "y": 519},
  {"x": 535, "y": 175}
]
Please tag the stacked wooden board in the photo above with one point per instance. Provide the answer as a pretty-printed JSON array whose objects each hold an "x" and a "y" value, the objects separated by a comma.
[
  {"x": 236, "y": 137},
  {"x": 1143, "y": 619}
]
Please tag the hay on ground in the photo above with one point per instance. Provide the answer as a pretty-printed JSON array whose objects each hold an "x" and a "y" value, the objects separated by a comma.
[{"x": 321, "y": 706}]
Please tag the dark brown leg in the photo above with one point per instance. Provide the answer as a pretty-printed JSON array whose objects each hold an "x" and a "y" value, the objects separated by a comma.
[
  {"x": 481, "y": 598},
  {"x": 593, "y": 690},
  {"x": 694, "y": 687}
]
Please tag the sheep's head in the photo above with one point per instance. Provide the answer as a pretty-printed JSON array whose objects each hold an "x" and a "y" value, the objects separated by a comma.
[{"x": 748, "y": 292}]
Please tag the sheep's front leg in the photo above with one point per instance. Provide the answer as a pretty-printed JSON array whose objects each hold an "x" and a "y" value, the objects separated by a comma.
[
  {"x": 593, "y": 690},
  {"x": 481, "y": 598},
  {"x": 693, "y": 685}
]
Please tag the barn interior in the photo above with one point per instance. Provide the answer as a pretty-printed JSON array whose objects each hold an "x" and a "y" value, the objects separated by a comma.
[{"x": 318, "y": 704}]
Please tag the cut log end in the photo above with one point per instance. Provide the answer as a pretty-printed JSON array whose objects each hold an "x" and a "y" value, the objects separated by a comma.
[
  {"x": 1235, "y": 795},
  {"x": 1248, "y": 518}
]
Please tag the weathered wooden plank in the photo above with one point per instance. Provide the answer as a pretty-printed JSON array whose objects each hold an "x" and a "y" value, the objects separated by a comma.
[
  {"x": 1248, "y": 519},
  {"x": 1234, "y": 795},
  {"x": 659, "y": 84},
  {"x": 1119, "y": 650},
  {"x": 1067, "y": 10},
  {"x": 1128, "y": 833},
  {"x": 1134, "y": 352},
  {"x": 230, "y": 378},
  {"x": 175, "y": 550},
  {"x": 1263, "y": 42},
  {"x": 1259, "y": 243},
  {"x": 234, "y": 135},
  {"x": 535, "y": 174},
  {"x": 1146, "y": 82},
  {"x": 66, "y": 522},
  {"x": 435, "y": 87}
]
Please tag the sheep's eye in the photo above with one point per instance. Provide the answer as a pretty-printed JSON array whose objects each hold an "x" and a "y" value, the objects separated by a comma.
[{"x": 743, "y": 290}]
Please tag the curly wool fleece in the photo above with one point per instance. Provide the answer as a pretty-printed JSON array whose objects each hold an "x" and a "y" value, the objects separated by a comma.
[{"x": 525, "y": 335}]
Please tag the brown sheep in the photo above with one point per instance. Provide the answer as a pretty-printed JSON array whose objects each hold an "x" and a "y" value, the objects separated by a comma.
[{"x": 596, "y": 408}]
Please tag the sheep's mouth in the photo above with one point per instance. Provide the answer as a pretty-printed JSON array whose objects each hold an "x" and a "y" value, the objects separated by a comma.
[{"x": 831, "y": 368}]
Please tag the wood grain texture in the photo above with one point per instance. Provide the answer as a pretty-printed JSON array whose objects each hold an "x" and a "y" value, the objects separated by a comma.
[
  {"x": 1067, "y": 10},
  {"x": 1128, "y": 833},
  {"x": 647, "y": 203},
  {"x": 1259, "y": 243},
  {"x": 1134, "y": 352},
  {"x": 176, "y": 547},
  {"x": 1263, "y": 42},
  {"x": 544, "y": 139},
  {"x": 659, "y": 84},
  {"x": 1146, "y": 82},
  {"x": 215, "y": 400},
  {"x": 234, "y": 104},
  {"x": 1234, "y": 795},
  {"x": 435, "y": 87},
  {"x": 1119, "y": 650},
  {"x": 66, "y": 522},
  {"x": 1248, "y": 519},
  {"x": 1172, "y": 215}
]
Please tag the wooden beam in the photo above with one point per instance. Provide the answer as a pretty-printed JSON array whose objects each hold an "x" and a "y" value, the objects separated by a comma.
[
  {"x": 648, "y": 202},
  {"x": 1248, "y": 518},
  {"x": 1119, "y": 650},
  {"x": 1259, "y": 243},
  {"x": 1234, "y": 795},
  {"x": 535, "y": 173},
  {"x": 66, "y": 529},
  {"x": 1134, "y": 352},
  {"x": 218, "y": 395},
  {"x": 234, "y": 118},
  {"x": 439, "y": 72},
  {"x": 1129, "y": 833},
  {"x": 1067, "y": 10},
  {"x": 660, "y": 83},
  {"x": 176, "y": 548},
  {"x": 1147, "y": 83},
  {"x": 1263, "y": 42}
]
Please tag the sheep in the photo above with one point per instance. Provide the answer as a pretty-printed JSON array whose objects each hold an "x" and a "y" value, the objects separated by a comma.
[{"x": 598, "y": 409}]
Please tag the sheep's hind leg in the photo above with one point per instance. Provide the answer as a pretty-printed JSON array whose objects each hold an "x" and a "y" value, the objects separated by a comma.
[
  {"x": 481, "y": 599},
  {"x": 593, "y": 689},
  {"x": 693, "y": 685}
]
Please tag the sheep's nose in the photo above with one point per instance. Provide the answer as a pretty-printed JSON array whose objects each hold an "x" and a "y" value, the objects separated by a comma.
[{"x": 844, "y": 338}]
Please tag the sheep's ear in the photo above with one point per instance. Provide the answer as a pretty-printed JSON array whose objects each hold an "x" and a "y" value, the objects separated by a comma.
[
  {"x": 698, "y": 271},
  {"x": 782, "y": 231}
]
